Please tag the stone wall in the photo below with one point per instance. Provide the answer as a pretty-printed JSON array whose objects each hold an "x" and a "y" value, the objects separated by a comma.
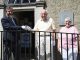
[{"x": 55, "y": 6}]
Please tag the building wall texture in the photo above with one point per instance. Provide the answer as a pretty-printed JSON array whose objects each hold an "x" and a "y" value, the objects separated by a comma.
[{"x": 55, "y": 6}]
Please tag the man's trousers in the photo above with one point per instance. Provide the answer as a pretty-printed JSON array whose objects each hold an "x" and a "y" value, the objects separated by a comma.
[{"x": 44, "y": 46}]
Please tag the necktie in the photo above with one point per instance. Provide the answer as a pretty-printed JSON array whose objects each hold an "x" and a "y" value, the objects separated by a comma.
[{"x": 13, "y": 21}]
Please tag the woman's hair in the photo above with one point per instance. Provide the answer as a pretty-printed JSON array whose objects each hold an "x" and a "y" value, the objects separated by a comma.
[{"x": 67, "y": 19}]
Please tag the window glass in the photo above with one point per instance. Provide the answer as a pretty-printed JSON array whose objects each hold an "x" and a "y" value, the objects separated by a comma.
[{"x": 63, "y": 15}]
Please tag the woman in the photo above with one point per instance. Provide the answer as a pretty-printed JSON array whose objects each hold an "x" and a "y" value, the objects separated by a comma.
[{"x": 67, "y": 42}]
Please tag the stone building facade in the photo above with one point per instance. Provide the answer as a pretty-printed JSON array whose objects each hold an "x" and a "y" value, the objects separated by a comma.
[{"x": 54, "y": 7}]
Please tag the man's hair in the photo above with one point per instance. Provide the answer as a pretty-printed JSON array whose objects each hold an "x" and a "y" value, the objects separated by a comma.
[
  {"x": 9, "y": 8},
  {"x": 43, "y": 10}
]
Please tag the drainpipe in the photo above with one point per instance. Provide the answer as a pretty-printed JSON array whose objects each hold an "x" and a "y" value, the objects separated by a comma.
[{"x": 45, "y": 5}]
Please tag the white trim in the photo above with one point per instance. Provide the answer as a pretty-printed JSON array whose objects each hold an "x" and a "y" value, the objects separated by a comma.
[
  {"x": 32, "y": 7},
  {"x": 1, "y": 29},
  {"x": 1, "y": 15}
]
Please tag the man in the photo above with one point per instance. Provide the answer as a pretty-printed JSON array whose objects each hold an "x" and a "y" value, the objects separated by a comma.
[
  {"x": 10, "y": 34},
  {"x": 45, "y": 39}
]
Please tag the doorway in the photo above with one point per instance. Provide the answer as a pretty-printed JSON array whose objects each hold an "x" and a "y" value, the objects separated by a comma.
[{"x": 27, "y": 47}]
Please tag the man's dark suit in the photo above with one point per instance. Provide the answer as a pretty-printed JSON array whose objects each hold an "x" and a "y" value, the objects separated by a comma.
[{"x": 10, "y": 36}]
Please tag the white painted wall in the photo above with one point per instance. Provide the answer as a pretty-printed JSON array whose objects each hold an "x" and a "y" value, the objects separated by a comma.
[
  {"x": 1, "y": 15},
  {"x": 1, "y": 29},
  {"x": 37, "y": 13}
]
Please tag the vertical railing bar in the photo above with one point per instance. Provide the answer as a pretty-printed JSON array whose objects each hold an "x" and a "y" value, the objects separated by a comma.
[
  {"x": 61, "y": 43},
  {"x": 5, "y": 46},
  {"x": 30, "y": 43},
  {"x": 20, "y": 43},
  {"x": 67, "y": 44},
  {"x": 16, "y": 55},
  {"x": 11, "y": 43},
  {"x": 39, "y": 45},
  {"x": 50, "y": 47},
  {"x": 25, "y": 51},
  {"x": 34, "y": 47},
  {"x": 72, "y": 48},
  {"x": 78, "y": 45},
  {"x": 55, "y": 48},
  {"x": 1, "y": 46},
  {"x": 45, "y": 44}
]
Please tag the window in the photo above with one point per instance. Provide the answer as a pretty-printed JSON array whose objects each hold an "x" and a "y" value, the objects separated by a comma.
[
  {"x": 20, "y": 1},
  {"x": 63, "y": 15}
]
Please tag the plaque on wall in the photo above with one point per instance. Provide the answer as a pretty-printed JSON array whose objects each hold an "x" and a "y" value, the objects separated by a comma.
[{"x": 63, "y": 15}]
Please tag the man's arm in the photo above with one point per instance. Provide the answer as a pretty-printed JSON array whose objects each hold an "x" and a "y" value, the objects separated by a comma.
[
  {"x": 6, "y": 25},
  {"x": 59, "y": 43},
  {"x": 53, "y": 34}
]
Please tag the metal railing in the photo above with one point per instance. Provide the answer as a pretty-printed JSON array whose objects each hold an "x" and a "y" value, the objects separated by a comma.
[{"x": 24, "y": 45}]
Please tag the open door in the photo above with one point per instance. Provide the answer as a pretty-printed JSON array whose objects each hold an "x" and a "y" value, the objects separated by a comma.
[{"x": 27, "y": 42}]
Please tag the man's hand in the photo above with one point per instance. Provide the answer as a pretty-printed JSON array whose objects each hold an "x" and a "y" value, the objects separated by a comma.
[
  {"x": 26, "y": 28},
  {"x": 23, "y": 27},
  {"x": 29, "y": 28}
]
